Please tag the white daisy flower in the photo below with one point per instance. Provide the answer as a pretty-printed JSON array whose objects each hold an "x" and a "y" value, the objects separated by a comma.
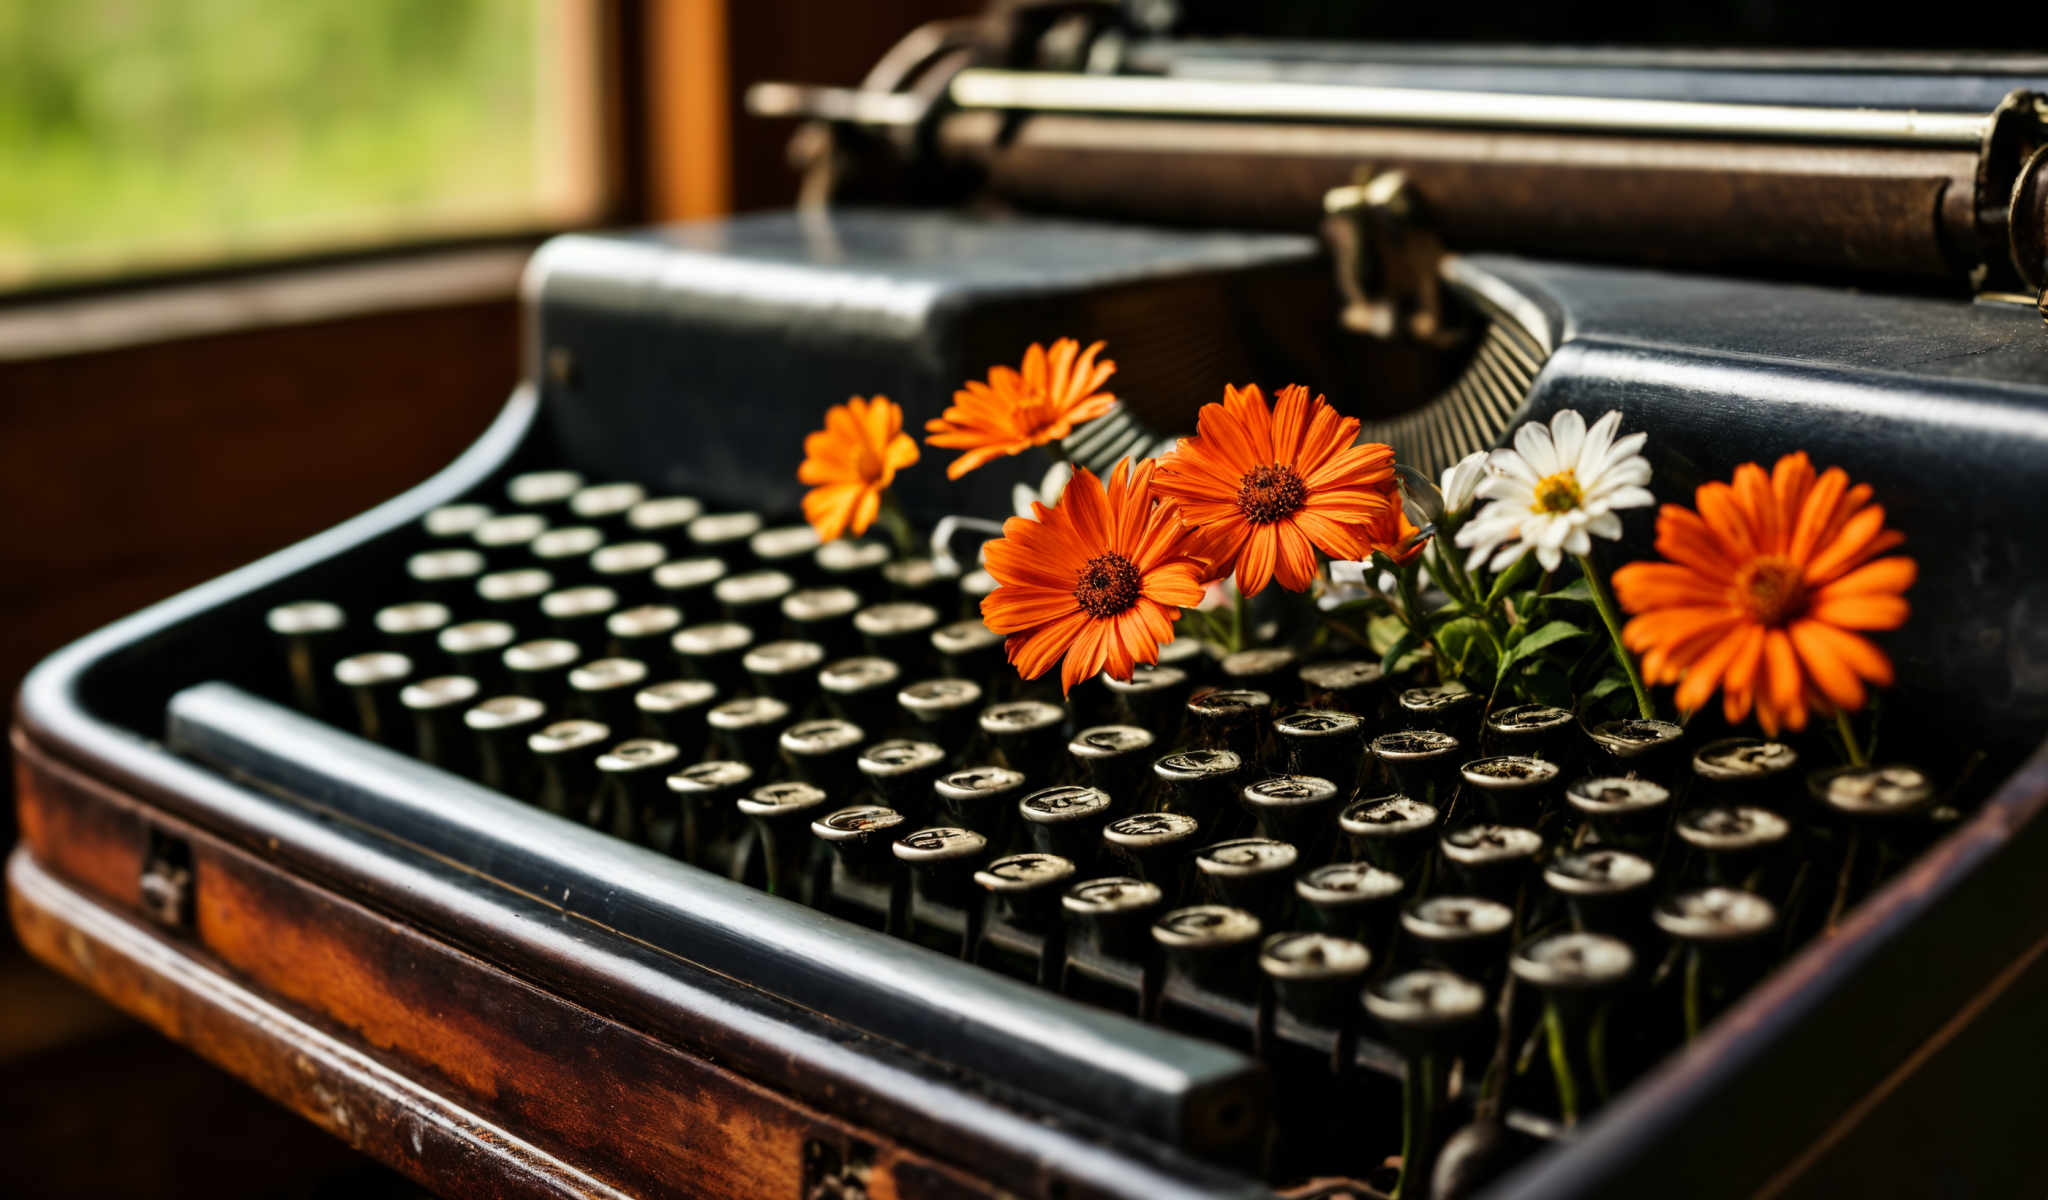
[
  {"x": 1460, "y": 481},
  {"x": 1556, "y": 490}
]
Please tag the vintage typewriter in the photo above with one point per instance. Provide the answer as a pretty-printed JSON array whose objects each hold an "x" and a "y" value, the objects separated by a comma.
[{"x": 576, "y": 823}]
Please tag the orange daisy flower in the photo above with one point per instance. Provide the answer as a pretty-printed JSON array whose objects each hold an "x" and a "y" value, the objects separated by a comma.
[
  {"x": 851, "y": 462},
  {"x": 1395, "y": 535},
  {"x": 1768, "y": 586},
  {"x": 1273, "y": 486},
  {"x": 1014, "y": 411},
  {"x": 1099, "y": 578}
]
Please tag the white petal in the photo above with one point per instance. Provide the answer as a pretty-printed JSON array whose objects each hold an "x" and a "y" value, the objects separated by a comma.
[
  {"x": 1629, "y": 497},
  {"x": 1623, "y": 449},
  {"x": 1599, "y": 438},
  {"x": 1508, "y": 464},
  {"x": 1549, "y": 531},
  {"x": 1629, "y": 472},
  {"x": 1021, "y": 498},
  {"x": 1549, "y": 557},
  {"x": 1460, "y": 480},
  {"x": 1578, "y": 543},
  {"x": 1532, "y": 442},
  {"x": 1567, "y": 434},
  {"x": 1507, "y": 490},
  {"x": 1507, "y": 556},
  {"x": 1605, "y": 525}
]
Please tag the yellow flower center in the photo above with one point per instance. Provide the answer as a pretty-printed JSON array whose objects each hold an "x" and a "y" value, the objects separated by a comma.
[
  {"x": 1270, "y": 493},
  {"x": 1034, "y": 412},
  {"x": 1772, "y": 589},
  {"x": 1108, "y": 585},
  {"x": 1557, "y": 493}
]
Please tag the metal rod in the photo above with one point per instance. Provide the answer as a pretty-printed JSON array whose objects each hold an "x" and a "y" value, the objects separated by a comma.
[{"x": 1161, "y": 96}]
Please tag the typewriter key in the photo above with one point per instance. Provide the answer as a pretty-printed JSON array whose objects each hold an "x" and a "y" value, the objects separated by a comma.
[
  {"x": 439, "y": 736},
  {"x": 902, "y": 772},
  {"x": 1468, "y": 934},
  {"x": 1632, "y": 746},
  {"x": 789, "y": 549},
  {"x": 1606, "y": 890},
  {"x": 687, "y": 584},
  {"x": 1323, "y": 742},
  {"x": 1724, "y": 934},
  {"x": 1490, "y": 860},
  {"x": 413, "y": 629},
  {"x": 1754, "y": 771},
  {"x": 373, "y": 682},
  {"x": 1353, "y": 899},
  {"x": 855, "y": 687},
  {"x": 477, "y": 648},
  {"x": 976, "y": 586},
  {"x": 942, "y": 860},
  {"x": 1622, "y": 811},
  {"x": 1209, "y": 945},
  {"x": 707, "y": 792},
  {"x": 824, "y": 615},
  {"x": 1200, "y": 783},
  {"x": 1233, "y": 719},
  {"x": 725, "y": 535},
  {"x": 851, "y": 563},
  {"x": 1573, "y": 962},
  {"x": 786, "y": 670},
  {"x": 1265, "y": 668},
  {"x": 1422, "y": 762},
  {"x": 506, "y": 540},
  {"x": 1345, "y": 684},
  {"x": 970, "y": 650},
  {"x": 1532, "y": 730},
  {"x": 900, "y": 630},
  {"x": 447, "y": 575},
  {"x": 565, "y": 553},
  {"x": 1874, "y": 794},
  {"x": 540, "y": 669},
  {"x": 1159, "y": 846},
  {"x": 1116, "y": 759},
  {"x": 1512, "y": 788},
  {"x": 1449, "y": 708},
  {"x": 665, "y": 519},
  {"x": 1189, "y": 653},
  {"x": 1109, "y": 915},
  {"x": 1716, "y": 915},
  {"x": 1315, "y": 975},
  {"x": 1415, "y": 1006},
  {"x": 1028, "y": 887},
  {"x": 1154, "y": 697},
  {"x": 1067, "y": 821},
  {"x": 675, "y": 711},
  {"x": 983, "y": 798},
  {"x": 501, "y": 725},
  {"x": 861, "y": 836},
  {"x": 1301, "y": 809},
  {"x": 603, "y": 690},
  {"x": 628, "y": 569},
  {"x": 567, "y": 752},
  {"x": 1395, "y": 832},
  {"x": 632, "y": 796},
  {"x": 643, "y": 632},
  {"x": 921, "y": 581},
  {"x": 309, "y": 631},
  {"x": 454, "y": 522},
  {"x": 946, "y": 709},
  {"x": 1577, "y": 974},
  {"x": 1026, "y": 734},
  {"x": 1429, "y": 1014},
  {"x": 715, "y": 651},
  {"x": 578, "y": 614},
  {"x": 782, "y": 814},
  {"x": 1732, "y": 844},
  {"x": 824, "y": 753},
  {"x": 606, "y": 505},
  {"x": 514, "y": 596},
  {"x": 1254, "y": 874},
  {"x": 754, "y": 599},
  {"x": 543, "y": 489},
  {"x": 748, "y": 728}
]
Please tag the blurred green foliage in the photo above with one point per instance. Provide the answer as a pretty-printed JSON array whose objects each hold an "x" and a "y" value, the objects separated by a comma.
[{"x": 157, "y": 133}]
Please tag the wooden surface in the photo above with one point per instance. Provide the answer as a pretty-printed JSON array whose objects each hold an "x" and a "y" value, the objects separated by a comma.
[{"x": 456, "y": 1073}]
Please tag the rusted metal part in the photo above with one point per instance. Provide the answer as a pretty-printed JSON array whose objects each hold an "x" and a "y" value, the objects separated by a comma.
[
  {"x": 1843, "y": 209},
  {"x": 1387, "y": 262}
]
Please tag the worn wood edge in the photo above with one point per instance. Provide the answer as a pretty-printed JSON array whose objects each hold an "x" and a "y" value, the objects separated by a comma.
[{"x": 345, "y": 1092}]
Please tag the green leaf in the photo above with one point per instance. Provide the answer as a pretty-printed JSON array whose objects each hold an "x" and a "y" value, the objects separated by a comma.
[
  {"x": 1400, "y": 655},
  {"x": 1515, "y": 574},
  {"x": 1383, "y": 631},
  {"x": 1578, "y": 591},
  {"x": 1460, "y": 641},
  {"x": 1607, "y": 685},
  {"x": 1546, "y": 635}
]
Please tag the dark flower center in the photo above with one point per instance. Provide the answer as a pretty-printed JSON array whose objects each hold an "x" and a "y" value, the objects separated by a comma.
[
  {"x": 1108, "y": 585},
  {"x": 1270, "y": 493},
  {"x": 1772, "y": 589}
]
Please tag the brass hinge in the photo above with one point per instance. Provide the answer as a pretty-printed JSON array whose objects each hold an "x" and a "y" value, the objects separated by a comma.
[{"x": 1386, "y": 260}]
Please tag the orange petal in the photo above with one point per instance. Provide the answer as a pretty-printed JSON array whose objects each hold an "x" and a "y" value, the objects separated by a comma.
[{"x": 1256, "y": 560}]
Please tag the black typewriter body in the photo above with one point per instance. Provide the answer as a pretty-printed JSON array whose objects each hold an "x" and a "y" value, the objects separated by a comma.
[{"x": 691, "y": 361}]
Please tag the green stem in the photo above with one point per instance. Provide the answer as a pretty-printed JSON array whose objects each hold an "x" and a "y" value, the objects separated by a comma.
[
  {"x": 1850, "y": 747},
  {"x": 1611, "y": 617},
  {"x": 1692, "y": 994},
  {"x": 1418, "y": 1097},
  {"x": 1418, "y": 621},
  {"x": 1842, "y": 880},
  {"x": 891, "y": 516},
  {"x": 1561, "y": 1065},
  {"x": 1596, "y": 1053}
]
